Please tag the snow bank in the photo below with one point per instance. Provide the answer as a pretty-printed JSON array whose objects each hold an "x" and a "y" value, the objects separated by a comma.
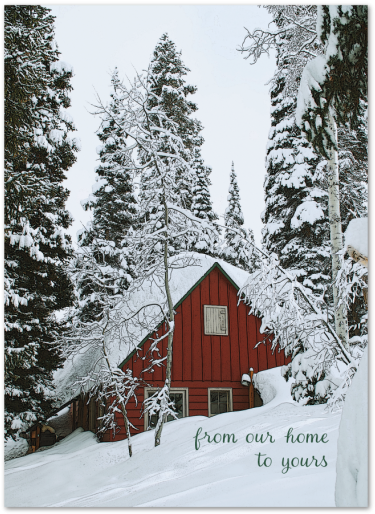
[
  {"x": 356, "y": 235},
  {"x": 14, "y": 449},
  {"x": 79, "y": 472},
  {"x": 352, "y": 445},
  {"x": 272, "y": 387}
]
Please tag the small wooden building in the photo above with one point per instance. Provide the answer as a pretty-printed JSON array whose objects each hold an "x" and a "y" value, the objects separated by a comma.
[
  {"x": 215, "y": 343},
  {"x": 40, "y": 435}
]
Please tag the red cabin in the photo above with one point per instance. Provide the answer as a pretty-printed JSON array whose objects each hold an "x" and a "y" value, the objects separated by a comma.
[{"x": 214, "y": 344}]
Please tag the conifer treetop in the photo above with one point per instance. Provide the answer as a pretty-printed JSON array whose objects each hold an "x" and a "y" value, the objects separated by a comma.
[
  {"x": 237, "y": 250},
  {"x": 233, "y": 213},
  {"x": 166, "y": 76}
]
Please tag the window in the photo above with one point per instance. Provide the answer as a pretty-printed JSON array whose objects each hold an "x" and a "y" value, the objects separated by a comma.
[
  {"x": 216, "y": 320},
  {"x": 179, "y": 396},
  {"x": 219, "y": 400}
]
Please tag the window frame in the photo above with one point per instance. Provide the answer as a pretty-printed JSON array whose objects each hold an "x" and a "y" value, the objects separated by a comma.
[
  {"x": 205, "y": 308},
  {"x": 212, "y": 389},
  {"x": 185, "y": 405}
]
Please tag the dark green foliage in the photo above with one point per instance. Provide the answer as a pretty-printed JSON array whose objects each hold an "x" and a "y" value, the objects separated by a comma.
[
  {"x": 343, "y": 90},
  {"x": 105, "y": 267},
  {"x": 350, "y": 66},
  {"x": 38, "y": 152},
  {"x": 237, "y": 251},
  {"x": 293, "y": 188},
  {"x": 167, "y": 80},
  {"x": 206, "y": 241}
]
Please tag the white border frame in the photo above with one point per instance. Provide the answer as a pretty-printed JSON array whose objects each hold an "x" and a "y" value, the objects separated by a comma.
[
  {"x": 185, "y": 408},
  {"x": 204, "y": 320},
  {"x": 209, "y": 389}
]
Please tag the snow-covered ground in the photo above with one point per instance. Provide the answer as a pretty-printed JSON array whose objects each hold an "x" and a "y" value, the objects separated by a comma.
[{"x": 79, "y": 472}]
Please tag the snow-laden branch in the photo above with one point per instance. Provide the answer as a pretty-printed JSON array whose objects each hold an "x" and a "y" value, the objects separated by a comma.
[{"x": 289, "y": 312}]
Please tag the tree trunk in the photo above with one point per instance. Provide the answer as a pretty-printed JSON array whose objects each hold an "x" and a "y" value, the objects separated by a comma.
[
  {"x": 127, "y": 429},
  {"x": 168, "y": 373},
  {"x": 341, "y": 320},
  {"x": 122, "y": 405}
]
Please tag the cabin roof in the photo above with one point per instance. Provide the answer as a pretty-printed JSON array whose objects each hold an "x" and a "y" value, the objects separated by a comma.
[
  {"x": 179, "y": 302},
  {"x": 123, "y": 343}
]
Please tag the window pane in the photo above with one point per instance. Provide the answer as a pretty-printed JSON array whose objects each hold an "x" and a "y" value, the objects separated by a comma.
[
  {"x": 219, "y": 402},
  {"x": 223, "y": 401},
  {"x": 214, "y": 408},
  {"x": 178, "y": 399}
]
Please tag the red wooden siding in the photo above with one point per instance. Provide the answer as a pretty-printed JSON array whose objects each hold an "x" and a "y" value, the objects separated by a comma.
[{"x": 201, "y": 361}]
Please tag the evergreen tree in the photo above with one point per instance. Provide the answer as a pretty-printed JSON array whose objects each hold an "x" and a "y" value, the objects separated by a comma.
[
  {"x": 343, "y": 32},
  {"x": 166, "y": 78},
  {"x": 236, "y": 251},
  {"x": 24, "y": 79},
  {"x": 295, "y": 217},
  {"x": 302, "y": 245},
  {"x": 333, "y": 87},
  {"x": 202, "y": 207},
  {"x": 103, "y": 242},
  {"x": 38, "y": 152},
  {"x": 253, "y": 258},
  {"x": 296, "y": 41}
]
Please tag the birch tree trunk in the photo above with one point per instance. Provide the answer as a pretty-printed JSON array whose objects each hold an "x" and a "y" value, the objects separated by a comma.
[
  {"x": 168, "y": 373},
  {"x": 122, "y": 405},
  {"x": 341, "y": 320}
]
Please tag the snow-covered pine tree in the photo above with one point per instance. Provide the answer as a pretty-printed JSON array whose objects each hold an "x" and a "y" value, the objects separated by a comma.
[
  {"x": 166, "y": 76},
  {"x": 295, "y": 217},
  {"x": 102, "y": 269},
  {"x": 333, "y": 86},
  {"x": 167, "y": 82},
  {"x": 38, "y": 152},
  {"x": 253, "y": 257},
  {"x": 343, "y": 32},
  {"x": 114, "y": 208},
  {"x": 296, "y": 41},
  {"x": 236, "y": 250},
  {"x": 202, "y": 207}
]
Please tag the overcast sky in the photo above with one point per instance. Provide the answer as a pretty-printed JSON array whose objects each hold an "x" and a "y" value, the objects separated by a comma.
[{"x": 233, "y": 98}]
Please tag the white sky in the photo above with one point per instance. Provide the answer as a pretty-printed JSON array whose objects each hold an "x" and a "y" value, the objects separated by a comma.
[{"x": 233, "y": 98}]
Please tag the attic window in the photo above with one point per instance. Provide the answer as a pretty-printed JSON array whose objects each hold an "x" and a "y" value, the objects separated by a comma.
[{"x": 215, "y": 320}]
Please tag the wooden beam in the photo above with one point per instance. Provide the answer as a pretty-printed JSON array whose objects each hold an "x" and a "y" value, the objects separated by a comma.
[{"x": 357, "y": 256}]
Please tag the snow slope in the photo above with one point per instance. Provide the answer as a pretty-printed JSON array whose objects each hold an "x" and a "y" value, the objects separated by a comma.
[
  {"x": 352, "y": 461},
  {"x": 79, "y": 472}
]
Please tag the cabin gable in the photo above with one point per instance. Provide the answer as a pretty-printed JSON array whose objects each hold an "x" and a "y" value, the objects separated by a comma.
[{"x": 204, "y": 363}]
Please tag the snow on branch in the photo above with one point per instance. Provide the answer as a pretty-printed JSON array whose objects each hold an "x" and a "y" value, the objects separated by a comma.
[
  {"x": 290, "y": 312},
  {"x": 160, "y": 405}
]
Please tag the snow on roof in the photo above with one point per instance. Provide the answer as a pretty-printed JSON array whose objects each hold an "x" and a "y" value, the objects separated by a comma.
[
  {"x": 149, "y": 300},
  {"x": 356, "y": 235}
]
